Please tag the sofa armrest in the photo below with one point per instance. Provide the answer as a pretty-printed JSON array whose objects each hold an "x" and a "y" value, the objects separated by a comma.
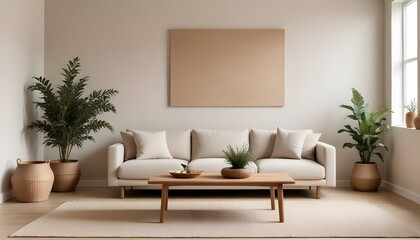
[
  {"x": 325, "y": 155},
  {"x": 115, "y": 159}
]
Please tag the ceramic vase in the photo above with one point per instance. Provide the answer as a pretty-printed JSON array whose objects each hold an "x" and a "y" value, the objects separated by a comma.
[
  {"x": 417, "y": 122},
  {"x": 409, "y": 119}
]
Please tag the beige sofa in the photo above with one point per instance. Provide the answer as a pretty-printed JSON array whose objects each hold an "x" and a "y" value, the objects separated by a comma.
[{"x": 129, "y": 165}]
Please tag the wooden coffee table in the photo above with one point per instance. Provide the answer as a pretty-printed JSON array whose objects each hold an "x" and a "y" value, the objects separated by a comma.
[{"x": 271, "y": 180}]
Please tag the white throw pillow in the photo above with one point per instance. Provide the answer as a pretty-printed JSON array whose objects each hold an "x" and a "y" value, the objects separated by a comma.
[
  {"x": 289, "y": 143},
  {"x": 308, "y": 150},
  {"x": 129, "y": 145},
  {"x": 151, "y": 145}
]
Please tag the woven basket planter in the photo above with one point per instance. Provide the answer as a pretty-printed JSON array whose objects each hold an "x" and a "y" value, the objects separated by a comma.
[
  {"x": 66, "y": 175},
  {"x": 365, "y": 177},
  {"x": 32, "y": 181}
]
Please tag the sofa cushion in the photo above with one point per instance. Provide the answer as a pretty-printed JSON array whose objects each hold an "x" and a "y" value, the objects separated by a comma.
[
  {"x": 299, "y": 170},
  {"x": 289, "y": 143},
  {"x": 261, "y": 143},
  {"x": 151, "y": 145},
  {"x": 309, "y": 145},
  {"x": 129, "y": 145},
  {"x": 211, "y": 143},
  {"x": 179, "y": 143},
  {"x": 213, "y": 165},
  {"x": 145, "y": 168}
]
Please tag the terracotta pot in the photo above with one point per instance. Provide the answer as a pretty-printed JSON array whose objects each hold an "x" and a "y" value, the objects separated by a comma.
[
  {"x": 365, "y": 177},
  {"x": 67, "y": 175},
  {"x": 32, "y": 181},
  {"x": 236, "y": 173},
  {"x": 409, "y": 119},
  {"x": 417, "y": 122}
]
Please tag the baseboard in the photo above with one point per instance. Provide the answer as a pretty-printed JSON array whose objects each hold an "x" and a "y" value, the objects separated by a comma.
[
  {"x": 6, "y": 195},
  {"x": 403, "y": 192},
  {"x": 93, "y": 183}
]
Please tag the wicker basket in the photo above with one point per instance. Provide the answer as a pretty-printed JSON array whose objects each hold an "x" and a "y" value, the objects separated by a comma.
[
  {"x": 32, "y": 181},
  {"x": 67, "y": 175}
]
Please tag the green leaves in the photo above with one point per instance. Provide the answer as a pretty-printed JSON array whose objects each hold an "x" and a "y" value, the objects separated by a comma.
[
  {"x": 238, "y": 157},
  {"x": 68, "y": 117},
  {"x": 368, "y": 128}
]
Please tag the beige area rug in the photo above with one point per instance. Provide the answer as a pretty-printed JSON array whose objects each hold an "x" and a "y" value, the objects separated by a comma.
[{"x": 217, "y": 218}]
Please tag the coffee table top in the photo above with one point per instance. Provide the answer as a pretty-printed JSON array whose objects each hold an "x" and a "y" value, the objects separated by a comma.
[{"x": 215, "y": 179}]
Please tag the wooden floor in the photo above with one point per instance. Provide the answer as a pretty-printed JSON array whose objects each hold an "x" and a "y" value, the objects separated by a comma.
[{"x": 14, "y": 215}]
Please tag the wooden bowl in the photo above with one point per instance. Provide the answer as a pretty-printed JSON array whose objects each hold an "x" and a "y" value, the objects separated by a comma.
[{"x": 179, "y": 174}]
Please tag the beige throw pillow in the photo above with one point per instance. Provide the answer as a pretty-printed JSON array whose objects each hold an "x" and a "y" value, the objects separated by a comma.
[
  {"x": 308, "y": 151},
  {"x": 289, "y": 143},
  {"x": 151, "y": 145},
  {"x": 129, "y": 145},
  {"x": 211, "y": 143},
  {"x": 261, "y": 143}
]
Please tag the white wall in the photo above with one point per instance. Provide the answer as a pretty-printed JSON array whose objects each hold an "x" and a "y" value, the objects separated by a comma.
[
  {"x": 21, "y": 58},
  {"x": 331, "y": 46}
]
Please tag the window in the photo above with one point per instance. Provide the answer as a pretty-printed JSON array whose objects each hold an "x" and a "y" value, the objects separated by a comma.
[
  {"x": 409, "y": 51},
  {"x": 404, "y": 42}
]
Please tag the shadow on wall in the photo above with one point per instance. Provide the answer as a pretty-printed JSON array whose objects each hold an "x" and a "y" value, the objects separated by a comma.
[
  {"x": 6, "y": 181},
  {"x": 31, "y": 139}
]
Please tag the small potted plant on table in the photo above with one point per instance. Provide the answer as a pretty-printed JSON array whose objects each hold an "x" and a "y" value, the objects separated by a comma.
[{"x": 238, "y": 158}]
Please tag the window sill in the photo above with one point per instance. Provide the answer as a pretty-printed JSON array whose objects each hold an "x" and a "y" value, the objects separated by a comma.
[{"x": 404, "y": 127}]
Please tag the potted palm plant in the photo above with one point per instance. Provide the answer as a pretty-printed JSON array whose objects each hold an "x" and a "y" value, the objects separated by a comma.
[
  {"x": 68, "y": 120},
  {"x": 411, "y": 114},
  {"x": 366, "y": 133},
  {"x": 238, "y": 158}
]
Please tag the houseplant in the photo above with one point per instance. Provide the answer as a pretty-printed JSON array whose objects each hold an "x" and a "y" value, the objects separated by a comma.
[
  {"x": 68, "y": 119},
  {"x": 411, "y": 114},
  {"x": 365, "y": 175},
  {"x": 238, "y": 158}
]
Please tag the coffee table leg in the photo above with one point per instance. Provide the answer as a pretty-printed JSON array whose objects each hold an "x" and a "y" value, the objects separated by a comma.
[
  {"x": 272, "y": 196},
  {"x": 163, "y": 202},
  {"x": 280, "y": 197}
]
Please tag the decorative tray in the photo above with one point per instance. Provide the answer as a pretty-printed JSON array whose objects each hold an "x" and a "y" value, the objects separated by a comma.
[{"x": 185, "y": 174}]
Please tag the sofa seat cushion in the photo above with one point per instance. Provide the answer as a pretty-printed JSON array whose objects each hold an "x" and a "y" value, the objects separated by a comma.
[
  {"x": 140, "y": 169},
  {"x": 213, "y": 165},
  {"x": 302, "y": 169}
]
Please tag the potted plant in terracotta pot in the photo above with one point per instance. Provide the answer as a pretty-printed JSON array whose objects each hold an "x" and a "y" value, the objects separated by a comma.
[
  {"x": 238, "y": 158},
  {"x": 366, "y": 133},
  {"x": 411, "y": 114},
  {"x": 68, "y": 120}
]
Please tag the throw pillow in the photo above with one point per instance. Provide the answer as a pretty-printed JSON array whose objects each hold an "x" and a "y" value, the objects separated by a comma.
[
  {"x": 129, "y": 145},
  {"x": 308, "y": 150},
  {"x": 261, "y": 143},
  {"x": 151, "y": 145},
  {"x": 211, "y": 143},
  {"x": 289, "y": 144}
]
